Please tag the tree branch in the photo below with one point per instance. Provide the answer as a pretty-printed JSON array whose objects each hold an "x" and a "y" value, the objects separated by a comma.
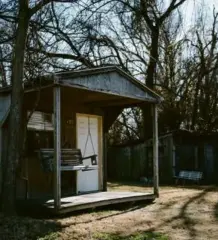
[
  {"x": 39, "y": 6},
  {"x": 80, "y": 58},
  {"x": 43, "y": 3},
  {"x": 173, "y": 5}
]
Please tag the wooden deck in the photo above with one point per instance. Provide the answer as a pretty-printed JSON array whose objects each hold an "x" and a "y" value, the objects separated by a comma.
[{"x": 93, "y": 200}]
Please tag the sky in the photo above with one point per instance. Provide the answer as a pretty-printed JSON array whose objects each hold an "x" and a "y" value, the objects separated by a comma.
[{"x": 191, "y": 10}]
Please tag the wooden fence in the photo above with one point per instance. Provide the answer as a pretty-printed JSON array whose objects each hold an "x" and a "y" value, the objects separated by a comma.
[
  {"x": 133, "y": 162},
  {"x": 127, "y": 163}
]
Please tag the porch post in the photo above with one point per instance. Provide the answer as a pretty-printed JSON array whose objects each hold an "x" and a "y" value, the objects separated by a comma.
[
  {"x": 105, "y": 160},
  {"x": 57, "y": 146},
  {"x": 155, "y": 151}
]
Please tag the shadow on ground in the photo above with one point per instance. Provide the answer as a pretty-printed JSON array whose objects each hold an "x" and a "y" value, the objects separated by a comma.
[
  {"x": 106, "y": 212},
  {"x": 24, "y": 227},
  {"x": 187, "y": 220},
  {"x": 201, "y": 187},
  {"x": 188, "y": 185},
  {"x": 216, "y": 211},
  {"x": 137, "y": 236},
  {"x": 20, "y": 227},
  {"x": 27, "y": 228},
  {"x": 37, "y": 210}
]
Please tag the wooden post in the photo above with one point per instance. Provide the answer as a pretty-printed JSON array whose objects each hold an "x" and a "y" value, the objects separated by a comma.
[
  {"x": 105, "y": 161},
  {"x": 155, "y": 151},
  {"x": 57, "y": 147}
]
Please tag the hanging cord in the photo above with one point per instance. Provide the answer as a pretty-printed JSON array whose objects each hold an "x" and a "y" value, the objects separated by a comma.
[{"x": 89, "y": 134}]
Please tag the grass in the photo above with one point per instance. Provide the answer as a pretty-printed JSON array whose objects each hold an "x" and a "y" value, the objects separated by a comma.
[
  {"x": 137, "y": 236},
  {"x": 50, "y": 236}
]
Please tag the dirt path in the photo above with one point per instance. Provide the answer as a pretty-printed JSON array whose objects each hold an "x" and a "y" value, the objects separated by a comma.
[{"x": 178, "y": 213}]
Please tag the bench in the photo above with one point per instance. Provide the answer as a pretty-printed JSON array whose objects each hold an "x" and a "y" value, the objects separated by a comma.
[
  {"x": 71, "y": 160},
  {"x": 194, "y": 176}
]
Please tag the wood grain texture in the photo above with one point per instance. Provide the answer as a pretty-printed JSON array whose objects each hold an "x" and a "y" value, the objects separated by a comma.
[
  {"x": 57, "y": 147},
  {"x": 92, "y": 200},
  {"x": 155, "y": 151},
  {"x": 110, "y": 83}
]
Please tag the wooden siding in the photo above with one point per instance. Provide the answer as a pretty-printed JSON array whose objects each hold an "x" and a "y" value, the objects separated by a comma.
[
  {"x": 93, "y": 200},
  {"x": 80, "y": 94},
  {"x": 110, "y": 83},
  {"x": 39, "y": 182}
]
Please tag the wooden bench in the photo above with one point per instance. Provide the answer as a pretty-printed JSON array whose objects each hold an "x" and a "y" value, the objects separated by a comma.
[
  {"x": 71, "y": 160},
  {"x": 194, "y": 176}
]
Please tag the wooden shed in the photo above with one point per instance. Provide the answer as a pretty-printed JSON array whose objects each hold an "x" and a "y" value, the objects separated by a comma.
[{"x": 73, "y": 112}]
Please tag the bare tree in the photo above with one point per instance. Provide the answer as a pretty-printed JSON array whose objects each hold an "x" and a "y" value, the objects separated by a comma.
[
  {"x": 23, "y": 11},
  {"x": 204, "y": 108}
]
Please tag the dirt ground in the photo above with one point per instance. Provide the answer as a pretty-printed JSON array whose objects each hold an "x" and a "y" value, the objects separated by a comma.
[{"x": 180, "y": 213}]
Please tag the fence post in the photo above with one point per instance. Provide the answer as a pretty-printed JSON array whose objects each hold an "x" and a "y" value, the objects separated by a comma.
[{"x": 155, "y": 151}]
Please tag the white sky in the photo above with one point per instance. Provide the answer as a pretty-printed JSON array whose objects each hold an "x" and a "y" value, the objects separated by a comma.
[{"x": 191, "y": 10}]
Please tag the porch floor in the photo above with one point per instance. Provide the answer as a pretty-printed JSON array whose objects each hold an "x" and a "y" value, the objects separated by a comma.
[{"x": 93, "y": 200}]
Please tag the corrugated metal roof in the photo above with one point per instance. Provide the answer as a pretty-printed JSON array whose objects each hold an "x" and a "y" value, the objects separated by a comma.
[{"x": 5, "y": 102}]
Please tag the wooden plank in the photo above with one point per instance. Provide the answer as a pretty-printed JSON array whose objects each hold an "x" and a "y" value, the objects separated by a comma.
[
  {"x": 119, "y": 102},
  {"x": 98, "y": 199},
  {"x": 69, "y": 208},
  {"x": 155, "y": 151},
  {"x": 57, "y": 147},
  {"x": 78, "y": 168}
]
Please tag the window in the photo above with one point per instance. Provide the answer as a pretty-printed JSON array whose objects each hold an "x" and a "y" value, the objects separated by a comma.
[{"x": 40, "y": 121}]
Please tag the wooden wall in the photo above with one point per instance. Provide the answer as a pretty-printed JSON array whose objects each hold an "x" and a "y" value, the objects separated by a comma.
[{"x": 39, "y": 182}]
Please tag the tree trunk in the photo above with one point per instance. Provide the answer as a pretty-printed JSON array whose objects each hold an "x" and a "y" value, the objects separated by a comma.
[
  {"x": 150, "y": 78},
  {"x": 15, "y": 118},
  {"x": 151, "y": 70}
]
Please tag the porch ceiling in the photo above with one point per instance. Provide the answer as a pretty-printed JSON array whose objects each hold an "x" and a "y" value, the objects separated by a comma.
[
  {"x": 92, "y": 98},
  {"x": 70, "y": 97}
]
